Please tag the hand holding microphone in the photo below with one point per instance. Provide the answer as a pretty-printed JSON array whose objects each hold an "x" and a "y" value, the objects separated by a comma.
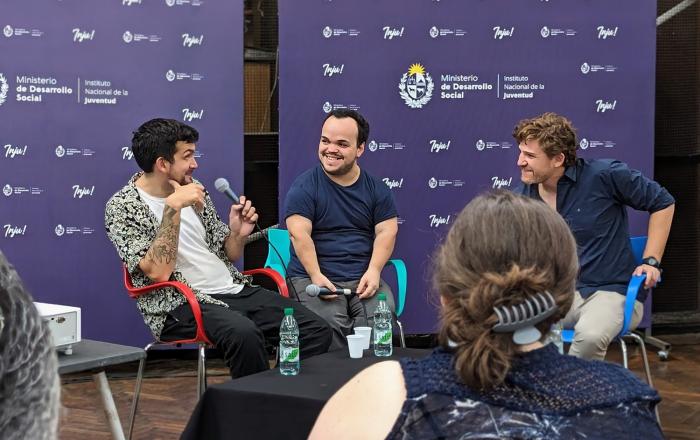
[
  {"x": 242, "y": 217},
  {"x": 321, "y": 292}
]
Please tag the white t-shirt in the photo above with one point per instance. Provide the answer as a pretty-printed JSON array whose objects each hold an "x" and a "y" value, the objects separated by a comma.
[{"x": 202, "y": 269}]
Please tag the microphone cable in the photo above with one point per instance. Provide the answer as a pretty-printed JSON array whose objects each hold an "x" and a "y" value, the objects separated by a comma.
[{"x": 287, "y": 278}]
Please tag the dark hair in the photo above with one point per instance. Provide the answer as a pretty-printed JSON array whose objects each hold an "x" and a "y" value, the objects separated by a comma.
[
  {"x": 29, "y": 383},
  {"x": 555, "y": 133},
  {"x": 501, "y": 249},
  {"x": 362, "y": 124},
  {"x": 157, "y": 138}
]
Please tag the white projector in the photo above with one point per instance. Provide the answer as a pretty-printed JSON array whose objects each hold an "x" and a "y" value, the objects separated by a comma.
[{"x": 64, "y": 324}]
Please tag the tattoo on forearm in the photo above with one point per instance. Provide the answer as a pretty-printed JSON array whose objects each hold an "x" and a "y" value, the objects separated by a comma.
[{"x": 164, "y": 247}]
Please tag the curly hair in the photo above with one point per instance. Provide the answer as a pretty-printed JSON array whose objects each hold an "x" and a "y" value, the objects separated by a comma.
[
  {"x": 501, "y": 249},
  {"x": 29, "y": 383},
  {"x": 555, "y": 133}
]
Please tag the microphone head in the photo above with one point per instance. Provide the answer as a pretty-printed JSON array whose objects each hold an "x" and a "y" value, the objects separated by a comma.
[
  {"x": 313, "y": 290},
  {"x": 221, "y": 184}
]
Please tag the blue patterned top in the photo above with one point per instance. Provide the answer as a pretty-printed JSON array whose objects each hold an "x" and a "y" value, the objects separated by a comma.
[{"x": 546, "y": 395}]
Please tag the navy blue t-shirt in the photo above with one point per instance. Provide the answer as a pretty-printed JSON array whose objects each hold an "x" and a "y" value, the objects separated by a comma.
[
  {"x": 592, "y": 196},
  {"x": 343, "y": 220}
]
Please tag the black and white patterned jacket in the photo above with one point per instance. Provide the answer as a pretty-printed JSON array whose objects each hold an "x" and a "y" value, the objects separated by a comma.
[{"x": 132, "y": 227}]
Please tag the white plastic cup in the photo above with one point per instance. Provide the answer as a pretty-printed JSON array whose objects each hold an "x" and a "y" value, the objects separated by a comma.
[
  {"x": 366, "y": 333},
  {"x": 355, "y": 344}
]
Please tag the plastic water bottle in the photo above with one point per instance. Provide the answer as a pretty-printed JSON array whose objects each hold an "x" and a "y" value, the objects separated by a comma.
[
  {"x": 289, "y": 344},
  {"x": 554, "y": 336},
  {"x": 382, "y": 328}
]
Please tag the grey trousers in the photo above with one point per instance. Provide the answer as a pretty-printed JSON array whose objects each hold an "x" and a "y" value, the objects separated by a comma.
[
  {"x": 596, "y": 321},
  {"x": 343, "y": 313}
]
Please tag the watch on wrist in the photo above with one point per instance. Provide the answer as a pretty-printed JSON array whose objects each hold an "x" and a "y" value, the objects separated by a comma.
[{"x": 651, "y": 261}]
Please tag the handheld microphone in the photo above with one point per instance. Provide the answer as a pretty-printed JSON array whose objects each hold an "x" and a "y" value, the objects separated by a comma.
[
  {"x": 314, "y": 290},
  {"x": 223, "y": 187}
]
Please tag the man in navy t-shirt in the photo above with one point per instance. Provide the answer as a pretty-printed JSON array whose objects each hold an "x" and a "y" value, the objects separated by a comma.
[
  {"x": 593, "y": 196},
  {"x": 342, "y": 224}
]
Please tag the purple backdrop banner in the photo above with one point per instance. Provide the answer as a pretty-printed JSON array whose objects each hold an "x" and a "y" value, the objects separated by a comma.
[
  {"x": 443, "y": 83},
  {"x": 76, "y": 78}
]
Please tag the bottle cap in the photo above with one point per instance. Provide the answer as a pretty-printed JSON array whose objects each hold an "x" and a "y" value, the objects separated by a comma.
[
  {"x": 288, "y": 311},
  {"x": 381, "y": 296}
]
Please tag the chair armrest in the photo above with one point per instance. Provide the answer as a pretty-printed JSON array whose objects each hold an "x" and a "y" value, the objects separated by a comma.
[
  {"x": 401, "y": 281},
  {"x": 275, "y": 276},
  {"x": 277, "y": 268},
  {"x": 184, "y": 289},
  {"x": 636, "y": 283}
]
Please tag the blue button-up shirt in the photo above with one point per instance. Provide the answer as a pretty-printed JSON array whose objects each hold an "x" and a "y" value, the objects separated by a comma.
[{"x": 592, "y": 196}]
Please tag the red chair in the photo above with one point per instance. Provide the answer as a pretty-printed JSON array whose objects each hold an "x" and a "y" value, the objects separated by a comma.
[{"x": 200, "y": 337}]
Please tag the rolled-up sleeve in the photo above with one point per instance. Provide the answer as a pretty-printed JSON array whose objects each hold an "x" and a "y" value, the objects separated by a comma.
[{"x": 631, "y": 187}]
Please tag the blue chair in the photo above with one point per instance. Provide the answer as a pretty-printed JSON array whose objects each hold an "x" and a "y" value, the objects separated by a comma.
[
  {"x": 278, "y": 256},
  {"x": 636, "y": 283}
]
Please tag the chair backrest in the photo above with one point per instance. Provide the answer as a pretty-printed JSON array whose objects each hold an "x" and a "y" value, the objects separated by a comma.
[
  {"x": 279, "y": 241},
  {"x": 638, "y": 245}
]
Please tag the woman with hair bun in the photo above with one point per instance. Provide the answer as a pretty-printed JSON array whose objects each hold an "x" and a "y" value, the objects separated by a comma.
[{"x": 505, "y": 273}]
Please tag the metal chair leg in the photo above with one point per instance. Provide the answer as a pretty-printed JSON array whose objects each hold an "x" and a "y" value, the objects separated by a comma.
[
  {"x": 623, "y": 347},
  {"x": 647, "y": 369},
  {"x": 137, "y": 390},
  {"x": 201, "y": 370},
  {"x": 403, "y": 340},
  {"x": 642, "y": 345}
]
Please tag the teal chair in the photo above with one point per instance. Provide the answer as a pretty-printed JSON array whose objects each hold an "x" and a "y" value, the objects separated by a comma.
[{"x": 278, "y": 258}]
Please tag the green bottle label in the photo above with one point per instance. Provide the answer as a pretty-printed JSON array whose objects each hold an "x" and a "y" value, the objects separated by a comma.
[{"x": 290, "y": 354}]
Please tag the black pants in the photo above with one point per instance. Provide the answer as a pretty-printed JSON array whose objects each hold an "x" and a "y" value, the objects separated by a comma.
[{"x": 240, "y": 331}]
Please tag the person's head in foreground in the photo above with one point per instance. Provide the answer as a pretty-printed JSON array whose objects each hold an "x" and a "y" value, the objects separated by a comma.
[
  {"x": 29, "y": 385},
  {"x": 503, "y": 253}
]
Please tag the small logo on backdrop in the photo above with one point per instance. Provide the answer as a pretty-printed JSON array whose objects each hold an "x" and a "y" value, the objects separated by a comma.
[
  {"x": 67, "y": 230},
  {"x": 437, "y": 146},
  {"x": 170, "y": 3},
  {"x": 332, "y": 69},
  {"x": 7, "y": 190},
  {"x": 391, "y": 32},
  {"x": 585, "y": 68},
  {"x": 498, "y": 182},
  {"x": 4, "y": 88},
  {"x": 583, "y": 144},
  {"x": 12, "y": 231},
  {"x": 131, "y": 2},
  {"x": 327, "y": 107},
  {"x": 8, "y": 31},
  {"x": 60, "y": 151},
  {"x": 83, "y": 191},
  {"x": 79, "y": 35},
  {"x": 128, "y": 37},
  {"x": 12, "y": 152},
  {"x": 437, "y": 220},
  {"x": 605, "y": 32},
  {"x": 189, "y": 115},
  {"x": 500, "y": 33},
  {"x": 327, "y": 32},
  {"x": 192, "y": 40},
  {"x": 170, "y": 75},
  {"x": 444, "y": 183},
  {"x": 393, "y": 183},
  {"x": 547, "y": 32},
  {"x": 435, "y": 32},
  {"x": 127, "y": 154},
  {"x": 416, "y": 86},
  {"x": 480, "y": 145},
  {"x": 432, "y": 183},
  {"x": 605, "y": 106},
  {"x": 594, "y": 68},
  {"x": 372, "y": 146},
  {"x": 59, "y": 230}
]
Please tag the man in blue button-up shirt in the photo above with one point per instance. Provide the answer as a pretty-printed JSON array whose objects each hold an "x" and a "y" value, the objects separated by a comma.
[{"x": 592, "y": 196}]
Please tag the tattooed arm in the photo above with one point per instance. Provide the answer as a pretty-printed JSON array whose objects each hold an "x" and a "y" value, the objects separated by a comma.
[{"x": 159, "y": 262}]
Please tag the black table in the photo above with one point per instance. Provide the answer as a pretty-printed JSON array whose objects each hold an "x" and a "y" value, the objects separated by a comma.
[
  {"x": 269, "y": 405},
  {"x": 96, "y": 355}
]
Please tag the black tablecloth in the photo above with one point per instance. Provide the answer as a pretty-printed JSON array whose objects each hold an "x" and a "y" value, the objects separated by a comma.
[{"x": 269, "y": 405}]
